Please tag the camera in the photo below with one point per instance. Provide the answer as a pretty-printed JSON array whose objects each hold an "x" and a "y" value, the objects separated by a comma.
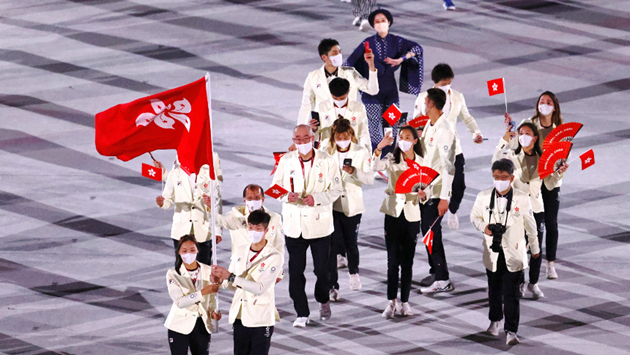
[{"x": 497, "y": 234}]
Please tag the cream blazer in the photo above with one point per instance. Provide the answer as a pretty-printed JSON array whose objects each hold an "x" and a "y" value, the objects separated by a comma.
[
  {"x": 520, "y": 221},
  {"x": 188, "y": 303},
  {"x": 394, "y": 203},
  {"x": 323, "y": 182},
  {"x": 522, "y": 181},
  {"x": 458, "y": 110},
  {"x": 351, "y": 200},
  {"x": 236, "y": 222},
  {"x": 439, "y": 147},
  {"x": 355, "y": 113},
  {"x": 316, "y": 89},
  {"x": 190, "y": 211},
  {"x": 254, "y": 301}
]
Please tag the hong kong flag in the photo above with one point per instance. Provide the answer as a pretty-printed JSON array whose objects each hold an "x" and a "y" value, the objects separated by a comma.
[
  {"x": 175, "y": 119},
  {"x": 428, "y": 240},
  {"x": 587, "y": 159},
  {"x": 392, "y": 115},
  {"x": 495, "y": 87},
  {"x": 151, "y": 172},
  {"x": 276, "y": 191}
]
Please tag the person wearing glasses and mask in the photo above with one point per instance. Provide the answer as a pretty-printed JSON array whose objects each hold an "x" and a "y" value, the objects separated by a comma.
[{"x": 313, "y": 180}]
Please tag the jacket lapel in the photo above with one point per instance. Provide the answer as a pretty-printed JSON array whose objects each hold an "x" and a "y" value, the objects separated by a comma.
[{"x": 183, "y": 177}]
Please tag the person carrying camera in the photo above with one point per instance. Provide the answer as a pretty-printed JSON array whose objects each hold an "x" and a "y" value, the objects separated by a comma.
[{"x": 504, "y": 215}]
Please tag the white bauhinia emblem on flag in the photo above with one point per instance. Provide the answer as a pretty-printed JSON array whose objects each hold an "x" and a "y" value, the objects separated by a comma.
[
  {"x": 152, "y": 172},
  {"x": 392, "y": 116},
  {"x": 495, "y": 87},
  {"x": 276, "y": 191},
  {"x": 165, "y": 115}
]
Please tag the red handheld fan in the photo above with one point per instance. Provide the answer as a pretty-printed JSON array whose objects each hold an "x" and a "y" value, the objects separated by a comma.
[
  {"x": 553, "y": 157},
  {"x": 563, "y": 133},
  {"x": 415, "y": 179}
]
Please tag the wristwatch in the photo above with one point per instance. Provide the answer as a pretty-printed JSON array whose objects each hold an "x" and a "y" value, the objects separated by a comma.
[{"x": 231, "y": 278}]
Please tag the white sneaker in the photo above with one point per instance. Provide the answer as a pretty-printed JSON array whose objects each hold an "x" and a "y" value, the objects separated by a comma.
[
  {"x": 341, "y": 261},
  {"x": 511, "y": 339},
  {"x": 453, "y": 221},
  {"x": 494, "y": 328},
  {"x": 333, "y": 295},
  {"x": 535, "y": 290},
  {"x": 365, "y": 25},
  {"x": 324, "y": 311},
  {"x": 357, "y": 21},
  {"x": 355, "y": 282},
  {"x": 438, "y": 286},
  {"x": 390, "y": 310},
  {"x": 300, "y": 322},
  {"x": 522, "y": 289},
  {"x": 405, "y": 310},
  {"x": 551, "y": 270}
]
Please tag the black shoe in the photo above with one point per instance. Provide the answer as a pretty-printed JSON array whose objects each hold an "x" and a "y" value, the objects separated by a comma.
[{"x": 428, "y": 281}]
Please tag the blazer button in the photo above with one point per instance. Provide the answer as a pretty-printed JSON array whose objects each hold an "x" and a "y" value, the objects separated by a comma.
[{"x": 190, "y": 220}]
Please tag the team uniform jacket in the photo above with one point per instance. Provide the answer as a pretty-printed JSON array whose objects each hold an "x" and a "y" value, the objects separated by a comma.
[
  {"x": 188, "y": 303},
  {"x": 254, "y": 297},
  {"x": 395, "y": 203},
  {"x": 355, "y": 113},
  {"x": 522, "y": 175},
  {"x": 520, "y": 221},
  {"x": 351, "y": 200},
  {"x": 439, "y": 143},
  {"x": 323, "y": 182},
  {"x": 236, "y": 222},
  {"x": 458, "y": 110},
  {"x": 316, "y": 89}
]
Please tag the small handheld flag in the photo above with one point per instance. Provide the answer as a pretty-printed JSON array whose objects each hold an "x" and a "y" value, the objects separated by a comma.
[
  {"x": 276, "y": 191},
  {"x": 428, "y": 237},
  {"x": 497, "y": 86},
  {"x": 588, "y": 159},
  {"x": 367, "y": 47},
  {"x": 392, "y": 115},
  {"x": 151, "y": 172}
]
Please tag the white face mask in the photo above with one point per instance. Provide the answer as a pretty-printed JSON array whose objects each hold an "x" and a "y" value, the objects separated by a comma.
[
  {"x": 304, "y": 148},
  {"x": 189, "y": 258},
  {"x": 255, "y": 236},
  {"x": 501, "y": 185},
  {"x": 336, "y": 60},
  {"x": 545, "y": 109},
  {"x": 340, "y": 103},
  {"x": 445, "y": 88},
  {"x": 404, "y": 145},
  {"x": 253, "y": 205},
  {"x": 381, "y": 27},
  {"x": 343, "y": 144},
  {"x": 525, "y": 140}
]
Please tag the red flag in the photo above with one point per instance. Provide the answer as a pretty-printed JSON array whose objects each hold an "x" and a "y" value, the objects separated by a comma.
[
  {"x": 175, "y": 119},
  {"x": 392, "y": 115},
  {"x": 276, "y": 191},
  {"x": 367, "y": 47},
  {"x": 151, "y": 172},
  {"x": 587, "y": 159},
  {"x": 495, "y": 87},
  {"x": 428, "y": 240},
  {"x": 277, "y": 156}
]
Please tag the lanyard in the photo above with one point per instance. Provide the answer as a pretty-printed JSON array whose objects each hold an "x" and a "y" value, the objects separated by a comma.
[
  {"x": 255, "y": 255},
  {"x": 302, "y": 164},
  {"x": 507, "y": 208}
]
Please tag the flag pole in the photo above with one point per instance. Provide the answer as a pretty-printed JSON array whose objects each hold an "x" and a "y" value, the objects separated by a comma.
[
  {"x": 505, "y": 95},
  {"x": 213, "y": 183}
]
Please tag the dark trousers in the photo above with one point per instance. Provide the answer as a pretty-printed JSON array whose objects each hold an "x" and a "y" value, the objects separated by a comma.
[
  {"x": 251, "y": 341},
  {"x": 551, "y": 201},
  {"x": 459, "y": 185},
  {"x": 198, "y": 340},
  {"x": 437, "y": 259},
  {"x": 504, "y": 295},
  {"x": 401, "y": 237},
  {"x": 534, "y": 264},
  {"x": 344, "y": 237},
  {"x": 320, "y": 250},
  {"x": 204, "y": 254}
]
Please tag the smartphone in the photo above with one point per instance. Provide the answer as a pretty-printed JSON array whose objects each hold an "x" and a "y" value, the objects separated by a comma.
[
  {"x": 403, "y": 117},
  {"x": 315, "y": 116},
  {"x": 388, "y": 129},
  {"x": 513, "y": 124},
  {"x": 347, "y": 162}
]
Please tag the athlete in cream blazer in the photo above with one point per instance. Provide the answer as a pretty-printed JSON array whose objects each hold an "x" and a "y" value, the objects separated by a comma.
[
  {"x": 354, "y": 112},
  {"x": 520, "y": 222},
  {"x": 188, "y": 303},
  {"x": 316, "y": 89},
  {"x": 324, "y": 184},
  {"x": 351, "y": 200},
  {"x": 236, "y": 222},
  {"x": 439, "y": 145}
]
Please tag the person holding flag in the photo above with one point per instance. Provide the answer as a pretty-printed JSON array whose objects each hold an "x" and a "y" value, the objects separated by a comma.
[
  {"x": 390, "y": 52},
  {"x": 547, "y": 116},
  {"x": 313, "y": 182},
  {"x": 525, "y": 159},
  {"x": 439, "y": 144},
  {"x": 402, "y": 217},
  {"x": 455, "y": 108},
  {"x": 504, "y": 215}
]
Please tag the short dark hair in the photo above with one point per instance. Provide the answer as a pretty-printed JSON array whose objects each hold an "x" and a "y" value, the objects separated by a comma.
[
  {"x": 504, "y": 165},
  {"x": 253, "y": 187},
  {"x": 339, "y": 87},
  {"x": 259, "y": 217},
  {"x": 326, "y": 45},
  {"x": 438, "y": 97},
  {"x": 440, "y": 72}
]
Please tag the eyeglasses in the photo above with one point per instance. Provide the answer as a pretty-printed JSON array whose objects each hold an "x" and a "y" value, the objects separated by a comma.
[{"x": 302, "y": 141}]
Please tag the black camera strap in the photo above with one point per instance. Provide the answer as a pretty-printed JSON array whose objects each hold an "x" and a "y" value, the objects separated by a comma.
[{"x": 507, "y": 207}]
